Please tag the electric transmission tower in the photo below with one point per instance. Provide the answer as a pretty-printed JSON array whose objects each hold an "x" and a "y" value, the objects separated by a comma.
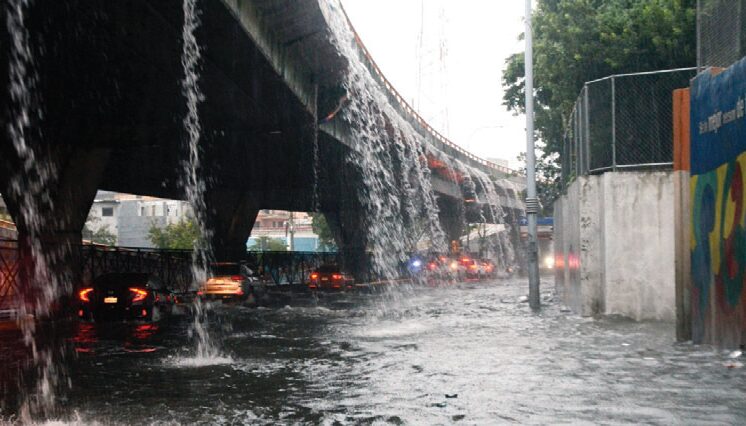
[{"x": 432, "y": 71}]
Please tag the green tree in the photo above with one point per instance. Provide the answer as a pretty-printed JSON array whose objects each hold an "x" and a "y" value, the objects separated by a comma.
[
  {"x": 268, "y": 244},
  {"x": 576, "y": 41},
  {"x": 97, "y": 234},
  {"x": 180, "y": 235},
  {"x": 321, "y": 228}
]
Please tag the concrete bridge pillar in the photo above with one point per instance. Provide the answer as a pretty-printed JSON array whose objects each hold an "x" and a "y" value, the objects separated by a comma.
[
  {"x": 351, "y": 238},
  {"x": 452, "y": 219},
  {"x": 230, "y": 216},
  {"x": 50, "y": 217}
]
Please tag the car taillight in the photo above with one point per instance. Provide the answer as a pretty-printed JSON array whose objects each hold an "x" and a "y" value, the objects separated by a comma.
[
  {"x": 431, "y": 266},
  {"x": 336, "y": 276},
  {"x": 138, "y": 294},
  {"x": 237, "y": 278},
  {"x": 314, "y": 276},
  {"x": 472, "y": 266},
  {"x": 84, "y": 294}
]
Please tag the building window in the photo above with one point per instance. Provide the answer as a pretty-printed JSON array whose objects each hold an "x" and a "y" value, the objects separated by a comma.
[{"x": 107, "y": 211}]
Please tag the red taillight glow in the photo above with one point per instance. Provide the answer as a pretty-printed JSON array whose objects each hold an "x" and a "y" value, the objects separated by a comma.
[
  {"x": 84, "y": 294},
  {"x": 431, "y": 266},
  {"x": 138, "y": 294},
  {"x": 200, "y": 293},
  {"x": 336, "y": 276},
  {"x": 472, "y": 266},
  {"x": 236, "y": 278},
  {"x": 314, "y": 276}
]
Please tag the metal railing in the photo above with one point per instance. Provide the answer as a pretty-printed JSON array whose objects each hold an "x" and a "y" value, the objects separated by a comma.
[
  {"x": 623, "y": 121},
  {"x": 174, "y": 267},
  {"x": 415, "y": 117}
]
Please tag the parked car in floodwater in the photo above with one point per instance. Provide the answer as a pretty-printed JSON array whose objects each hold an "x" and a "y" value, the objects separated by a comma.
[
  {"x": 126, "y": 296},
  {"x": 229, "y": 281},
  {"x": 330, "y": 277}
]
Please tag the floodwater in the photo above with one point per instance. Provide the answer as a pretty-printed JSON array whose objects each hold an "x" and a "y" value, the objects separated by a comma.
[{"x": 470, "y": 353}]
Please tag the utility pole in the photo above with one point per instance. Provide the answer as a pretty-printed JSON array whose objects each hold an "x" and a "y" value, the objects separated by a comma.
[
  {"x": 532, "y": 203},
  {"x": 291, "y": 226}
]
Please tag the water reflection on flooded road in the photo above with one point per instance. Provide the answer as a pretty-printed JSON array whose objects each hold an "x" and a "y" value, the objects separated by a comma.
[{"x": 470, "y": 352}]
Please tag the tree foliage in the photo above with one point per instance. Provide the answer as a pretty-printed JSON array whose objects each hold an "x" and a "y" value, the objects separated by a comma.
[
  {"x": 97, "y": 234},
  {"x": 268, "y": 244},
  {"x": 576, "y": 41},
  {"x": 321, "y": 228},
  {"x": 180, "y": 235}
]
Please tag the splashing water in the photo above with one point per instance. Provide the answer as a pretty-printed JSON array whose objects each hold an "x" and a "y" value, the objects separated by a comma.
[
  {"x": 29, "y": 187},
  {"x": 193, "y": 182}
]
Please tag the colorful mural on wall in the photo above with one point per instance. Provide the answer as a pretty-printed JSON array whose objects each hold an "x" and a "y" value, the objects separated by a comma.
[{"x": 718, "y": 220}]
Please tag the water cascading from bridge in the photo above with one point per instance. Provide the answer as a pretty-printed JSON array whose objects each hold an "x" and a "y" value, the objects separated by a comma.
[
  {"x": 399, "y": 204},
  {"x": 399, "y": 207},
  {"x": 193, "y": 184},
  {"x": 29, "y": 186}
]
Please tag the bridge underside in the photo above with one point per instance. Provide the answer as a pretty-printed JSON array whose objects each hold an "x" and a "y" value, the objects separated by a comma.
[{"x": 110, "y": 100}]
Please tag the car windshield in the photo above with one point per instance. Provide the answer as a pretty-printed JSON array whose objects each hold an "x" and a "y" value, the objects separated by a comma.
[
  {"x": 224, "y": 269},
  {"x": 121, "y": 280},
  {"x": 328, "y": 269}
]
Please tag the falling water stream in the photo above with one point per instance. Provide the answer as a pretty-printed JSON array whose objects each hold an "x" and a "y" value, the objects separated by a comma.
[
  {"x": 30, "y": 188},
  {"x": 194, "y": 185},
  {"x": 394, "y": 203}
]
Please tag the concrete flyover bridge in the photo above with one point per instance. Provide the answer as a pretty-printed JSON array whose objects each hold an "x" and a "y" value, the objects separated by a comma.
[{"x": 294, "y": 115}]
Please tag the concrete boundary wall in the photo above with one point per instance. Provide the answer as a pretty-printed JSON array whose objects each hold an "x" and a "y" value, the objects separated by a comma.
[{"x": 614, "y": 245}]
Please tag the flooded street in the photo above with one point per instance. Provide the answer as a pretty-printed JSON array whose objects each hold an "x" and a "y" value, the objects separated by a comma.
[{"x": 470, "y": 353}]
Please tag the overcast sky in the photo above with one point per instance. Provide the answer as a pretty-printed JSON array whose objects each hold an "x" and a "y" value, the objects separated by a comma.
[{"x": 478, "y": 35}]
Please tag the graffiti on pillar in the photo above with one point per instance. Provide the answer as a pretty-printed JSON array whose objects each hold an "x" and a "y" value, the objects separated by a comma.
[{"x": 718, "y": 220}]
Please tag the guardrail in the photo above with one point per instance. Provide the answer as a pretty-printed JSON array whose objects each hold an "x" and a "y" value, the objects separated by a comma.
[{"x": 416, "y": 116}]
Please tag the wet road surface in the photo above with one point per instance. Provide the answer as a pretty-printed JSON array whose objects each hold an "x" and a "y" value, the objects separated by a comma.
[{"x": 470, "y": 353}]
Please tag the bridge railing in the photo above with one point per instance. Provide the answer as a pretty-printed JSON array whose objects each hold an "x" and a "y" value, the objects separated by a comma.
[{"x": 415, "y": 116}]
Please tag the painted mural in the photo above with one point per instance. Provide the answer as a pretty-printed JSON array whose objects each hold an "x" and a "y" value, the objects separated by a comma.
[{"x": 718, "y": 224}]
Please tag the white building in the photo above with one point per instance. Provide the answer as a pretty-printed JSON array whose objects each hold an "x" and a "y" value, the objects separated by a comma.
[{"x": 130, "y": 217}]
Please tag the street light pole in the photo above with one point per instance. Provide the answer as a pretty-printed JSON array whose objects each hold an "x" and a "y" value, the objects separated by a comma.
[{"x": 532, "y": 203}]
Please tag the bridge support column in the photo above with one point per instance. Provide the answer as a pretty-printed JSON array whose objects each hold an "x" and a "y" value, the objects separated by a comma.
[
  {"x": 52, "y": 229},
  {"x": 451, "y": 215},
  {"x": 351, "y": 239},
  {"x": 231, "y": 216}
]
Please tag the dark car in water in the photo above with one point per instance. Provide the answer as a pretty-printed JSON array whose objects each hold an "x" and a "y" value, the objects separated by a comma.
[
  {"x": 330, "y": 277},
  {"x": 125, "y": 296}
]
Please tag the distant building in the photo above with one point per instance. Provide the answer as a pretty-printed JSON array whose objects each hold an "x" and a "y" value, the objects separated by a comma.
[
  {"x": 130, "y": 217},
  {"x": 276, "y": 224}
]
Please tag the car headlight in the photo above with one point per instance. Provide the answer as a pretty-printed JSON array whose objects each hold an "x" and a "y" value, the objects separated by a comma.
[{"x": 549, "y": 262}]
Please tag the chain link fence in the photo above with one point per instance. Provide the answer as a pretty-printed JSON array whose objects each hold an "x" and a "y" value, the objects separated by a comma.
[
  {"x": 721, "y": 32},
  {"x": 622, "y": 122}
]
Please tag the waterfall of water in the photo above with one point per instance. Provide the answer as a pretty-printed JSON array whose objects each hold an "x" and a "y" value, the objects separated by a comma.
[
  {"x": 393, "y": 200},
  {"x": 29, "y": 186},
  {"x": 192, "y": 181}
]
